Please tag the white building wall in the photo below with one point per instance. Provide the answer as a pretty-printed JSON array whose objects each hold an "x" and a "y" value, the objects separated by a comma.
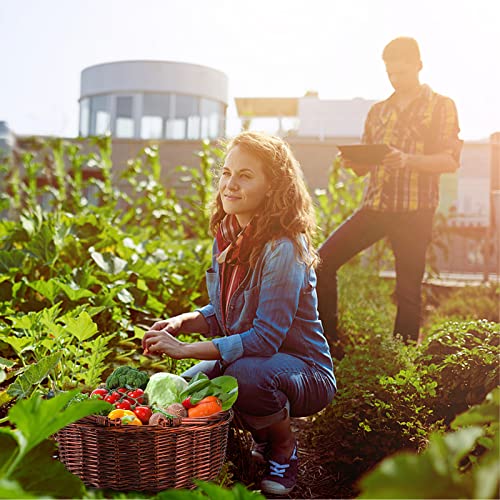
[
  {"x": 332, "y": 118},
  {"x": 154, "y": 76}
]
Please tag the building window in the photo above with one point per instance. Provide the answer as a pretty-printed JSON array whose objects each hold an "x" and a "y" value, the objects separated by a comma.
[
  {"x": 84, "y": 117},
  {"x": 124, "y": 125},
  {"x": 155, "y": 113},
  {"x": 99, "y": 115},
  {"x": 212, "y": 114},
  {"x": 187, "y": 109},
  {"x": 176, "y": 129},
  {"x": 151, "y": 127},
  {"x": 193, "y": 131}
]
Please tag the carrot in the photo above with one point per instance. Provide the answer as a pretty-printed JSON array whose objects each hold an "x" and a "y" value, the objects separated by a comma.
[{"x": 207, "y": 406}]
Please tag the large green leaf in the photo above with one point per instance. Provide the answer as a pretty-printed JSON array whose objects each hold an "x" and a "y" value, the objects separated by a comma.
[
  {"x": 174, "y": 494},
  {"x": 37, "y": 419},
  {"x": 11, "y": 260},
  {"x": 212, "y": 491},
  {"x": 238, "y": 492},
  {"x": 432, "y": 474},
  {"x": 34, "y": 374},
  {"x": 485, "y": 413},
  {"x": 11, "y": 489},
  {"x": 42, "y": 246},
  {"x": 108, "y": 262},
  {"x": 74, "y": 292},
  {"x": 48, "y": 289},
  {"x": 38, "y": 473},
  {"x": 18, "y": 344},
  {"x": 6, "y": 363},
  {"x": 81, "y": 327}
]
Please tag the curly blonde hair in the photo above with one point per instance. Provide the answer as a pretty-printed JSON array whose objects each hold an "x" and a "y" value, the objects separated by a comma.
[{"x": 289, "y": 210}]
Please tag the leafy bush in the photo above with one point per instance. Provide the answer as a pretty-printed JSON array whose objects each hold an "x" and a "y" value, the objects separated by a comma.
[
  {"x": 463, "y": 360},
  {"x": 460, "y": 464},
  {"x": 377, "y": 409},
  {"x": 467, "y": 303},
  {"x": 391, "y": 396},
  {"x": 26, "y": 453}
]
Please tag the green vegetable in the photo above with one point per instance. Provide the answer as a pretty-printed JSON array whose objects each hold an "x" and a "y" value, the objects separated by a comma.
[
  {"x": 163, "y": 389},
  {"x": 224, "y": 387},
  {"x": 126, "y": 376}
]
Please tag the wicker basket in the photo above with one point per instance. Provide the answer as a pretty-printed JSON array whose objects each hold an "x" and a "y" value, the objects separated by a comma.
[{"x": 105, "y": 454}]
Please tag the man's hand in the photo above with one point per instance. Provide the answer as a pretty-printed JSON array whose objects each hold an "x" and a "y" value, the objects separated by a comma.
[
  {"x": 161, "y": 342},
  {"x": 396, "y": 159},
  {"x": 358, "y": 169}
]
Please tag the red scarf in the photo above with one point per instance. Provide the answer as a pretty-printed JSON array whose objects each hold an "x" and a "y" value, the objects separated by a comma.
[{"x": 235, "y": 245}]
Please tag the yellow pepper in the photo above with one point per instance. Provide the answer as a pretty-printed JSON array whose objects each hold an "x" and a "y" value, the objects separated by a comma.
[{"x": 126, "y": 416}]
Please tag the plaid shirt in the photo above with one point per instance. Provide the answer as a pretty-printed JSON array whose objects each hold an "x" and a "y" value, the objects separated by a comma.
[{"x": 428, "y": 125}]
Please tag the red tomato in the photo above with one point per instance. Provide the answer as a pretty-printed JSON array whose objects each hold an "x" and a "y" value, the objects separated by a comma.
[
  {"x": 113, "y": 397},
  {"x": 100, "y": 393},
  {"x": 123, "y": 405},
  {"x": 137, "y": 395},
  {"x": 143, "y": 413},
  {"x": 187, "y": 403},
  {"x": 122, "y": 390}
]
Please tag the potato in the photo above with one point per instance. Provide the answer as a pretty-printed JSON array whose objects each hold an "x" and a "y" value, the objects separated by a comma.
[
  {"x": 157, "y": 419},
  {"x": 177, "y": 410}
]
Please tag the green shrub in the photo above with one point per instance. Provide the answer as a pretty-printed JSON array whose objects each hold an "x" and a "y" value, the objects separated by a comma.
[
  {"x": 467, "y": 303},
  {"x": 460, "y": 464},
  {"x": 371, "y": 417},
  {"x": 463, "y": 360},
  {"x": 391, "y": 396}
]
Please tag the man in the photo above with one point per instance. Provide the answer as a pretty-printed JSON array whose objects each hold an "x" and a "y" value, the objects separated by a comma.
[{"x": 421, "y": 127}]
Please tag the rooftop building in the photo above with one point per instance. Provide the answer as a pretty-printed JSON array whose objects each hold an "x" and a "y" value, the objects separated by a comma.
[{"x": 153, "y": 100}]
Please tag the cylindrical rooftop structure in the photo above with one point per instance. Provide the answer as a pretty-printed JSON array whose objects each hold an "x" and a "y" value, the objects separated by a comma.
[{"x": 153, "y": 100}]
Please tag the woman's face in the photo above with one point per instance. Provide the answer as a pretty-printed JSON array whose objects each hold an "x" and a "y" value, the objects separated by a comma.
[{"x": 243, "y": 185}]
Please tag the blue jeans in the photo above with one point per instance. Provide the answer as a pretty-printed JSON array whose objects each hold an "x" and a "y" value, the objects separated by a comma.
[
  {"x": 271, "y": 387},
  {"x": 409, "y": 234}
]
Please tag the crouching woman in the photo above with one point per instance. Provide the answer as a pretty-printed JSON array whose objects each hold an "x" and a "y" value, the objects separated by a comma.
[{"x": 263, "y": 305}]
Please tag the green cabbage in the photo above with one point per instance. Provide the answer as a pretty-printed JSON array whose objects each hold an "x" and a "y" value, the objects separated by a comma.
[{"x": 164, "y": 389}]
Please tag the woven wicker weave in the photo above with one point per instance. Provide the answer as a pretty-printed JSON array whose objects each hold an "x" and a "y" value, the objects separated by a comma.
[{"x": 105, "y": 454}]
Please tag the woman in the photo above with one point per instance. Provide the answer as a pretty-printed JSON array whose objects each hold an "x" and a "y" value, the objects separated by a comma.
[{"x": 263, "y": 304}]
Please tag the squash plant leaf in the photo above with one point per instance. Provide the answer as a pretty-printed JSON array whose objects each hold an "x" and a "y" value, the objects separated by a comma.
[
  {"x": 37, "y": 419},
  {"x": 11, "y": 260},
  {"x": 11, "y": 489},
  {"x": 18, "y": 344},
  {"x": 34, "y": 374},
  {"x": 81, "y": 327},
  {"x": 6, "y": 363},
  {"x": 108, "y": 262},
  {"x": 485, "y": 413},
  {"x": 74, "y": 292},
  {"x": 49, "y": 289},
  {"x": 39, "y": 474}
]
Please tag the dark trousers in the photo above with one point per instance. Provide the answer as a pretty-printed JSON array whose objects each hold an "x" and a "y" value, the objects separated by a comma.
[{"x": 409, "y": 235}]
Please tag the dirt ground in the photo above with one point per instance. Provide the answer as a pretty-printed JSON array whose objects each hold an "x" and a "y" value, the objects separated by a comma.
[{"x": 314, "y": 480}]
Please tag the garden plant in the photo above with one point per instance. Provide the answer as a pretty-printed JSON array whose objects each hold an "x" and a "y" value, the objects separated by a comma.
[{"x": 88, "y": 262}]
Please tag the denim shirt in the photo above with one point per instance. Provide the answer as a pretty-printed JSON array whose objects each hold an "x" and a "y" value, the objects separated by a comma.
[{"x": 275, "y": 309}]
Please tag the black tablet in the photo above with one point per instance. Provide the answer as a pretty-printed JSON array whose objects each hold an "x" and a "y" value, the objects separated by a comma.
[{"x": 364, "y": 154}]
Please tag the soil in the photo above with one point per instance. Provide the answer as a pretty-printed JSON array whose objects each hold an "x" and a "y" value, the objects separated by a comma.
[{"x": 314, "y": 480}]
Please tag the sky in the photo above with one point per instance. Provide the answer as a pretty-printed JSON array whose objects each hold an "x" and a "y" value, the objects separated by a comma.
[{"x": 278, "y": 48}]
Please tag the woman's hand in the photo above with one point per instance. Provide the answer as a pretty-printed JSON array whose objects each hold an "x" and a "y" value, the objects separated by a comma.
[
  {"x": 161, "y": 342},
  {"x": 171, "y": 325}
]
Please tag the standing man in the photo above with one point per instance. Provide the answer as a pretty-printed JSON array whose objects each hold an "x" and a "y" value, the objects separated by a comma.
[{"x": 421, "y": 127}]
